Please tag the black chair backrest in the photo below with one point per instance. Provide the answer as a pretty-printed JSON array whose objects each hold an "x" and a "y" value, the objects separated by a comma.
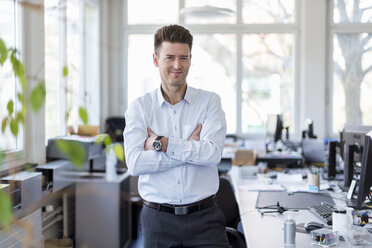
[
  {"x": 115, "y": 128},
  {"x": 226, "y": 201}
]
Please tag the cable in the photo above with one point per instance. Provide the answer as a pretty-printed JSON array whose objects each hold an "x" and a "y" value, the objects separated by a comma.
[{"x": 279, "y": 209}]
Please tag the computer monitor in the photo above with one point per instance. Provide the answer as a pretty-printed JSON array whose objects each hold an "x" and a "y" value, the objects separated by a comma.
[
  {"x": 309, "y": 133},
  {"x": 274, "y": 127},
  {"x": 314, "y": 151},
  {"x": 352, "y": 141},
  {"x": 365, "y": 181}
]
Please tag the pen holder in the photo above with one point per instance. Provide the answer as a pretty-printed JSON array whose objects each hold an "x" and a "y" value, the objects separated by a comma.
[{"x": 313, "y": 181}]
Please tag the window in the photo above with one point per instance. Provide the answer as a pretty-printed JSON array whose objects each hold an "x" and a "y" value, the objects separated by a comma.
[
  {"x": 8, "y": 86},
  {"x": 281, "y": 11},
  {"x": 72, "y": 42},
  {"x": 267, "y": 79},
  {"x": 53, "y": 70},
  {"x": 248, "y": 58},
  {"x": 352, "y": 63},
  {"x": 155, "y": 12}
]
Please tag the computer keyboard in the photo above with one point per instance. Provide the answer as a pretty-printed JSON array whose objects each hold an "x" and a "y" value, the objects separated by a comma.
[{"x": 323, "y": 211}]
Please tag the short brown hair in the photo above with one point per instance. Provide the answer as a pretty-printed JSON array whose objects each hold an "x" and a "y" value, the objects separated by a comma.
[{"x": 173, "y": 34}]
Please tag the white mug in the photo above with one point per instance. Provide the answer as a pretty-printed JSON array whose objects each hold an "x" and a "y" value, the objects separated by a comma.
[{"x": 340, "y": 221}]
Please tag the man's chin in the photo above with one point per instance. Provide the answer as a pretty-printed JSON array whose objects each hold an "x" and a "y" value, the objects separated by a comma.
[{"x": 178, "y": 83}]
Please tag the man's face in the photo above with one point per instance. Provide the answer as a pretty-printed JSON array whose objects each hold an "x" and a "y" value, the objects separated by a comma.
[{"x": 173, "y": 60}]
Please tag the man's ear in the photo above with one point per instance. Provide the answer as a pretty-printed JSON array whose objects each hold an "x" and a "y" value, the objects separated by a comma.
[{"x": 155, "y": 59}]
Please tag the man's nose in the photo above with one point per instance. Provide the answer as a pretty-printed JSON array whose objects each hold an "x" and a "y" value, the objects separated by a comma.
[{"x": 177, "y": 63}]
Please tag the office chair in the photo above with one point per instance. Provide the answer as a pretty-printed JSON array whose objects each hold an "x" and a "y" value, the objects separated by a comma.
[
  {"x": 226, "y": 201},
  {"x": 115, "y": 128}
]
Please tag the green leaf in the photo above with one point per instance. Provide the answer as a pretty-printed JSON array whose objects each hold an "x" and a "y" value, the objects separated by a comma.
[
  {"x": 18, "y": 69},
  {"x": 20, "y": 117},
  {"x": 65, "y": 71},
  {"x": 83, "y": 115},
  {"x": 119, "y": 151},
  {"x": 3, "y": 52},
  {"x": 5, "y": 209},
  {"x": 37, "y": 97},
  {"x": 14, "y": 126},
  {"x": 73, "y": 150},
  {"x": 28, "y": 168},
  {"x": 107, "y": 140},
  {"x": 20, "y": 97},
  {"x": 3, "y": 124},
  {"x": 10, "y": 107},
  {"x": 100, "y": 138}
]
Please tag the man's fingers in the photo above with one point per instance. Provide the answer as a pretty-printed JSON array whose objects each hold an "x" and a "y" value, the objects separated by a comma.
[
  {"x": 149, "y": 131},
  {"x": 198, "y": 129},
  {"x": 195, "y": 135}
]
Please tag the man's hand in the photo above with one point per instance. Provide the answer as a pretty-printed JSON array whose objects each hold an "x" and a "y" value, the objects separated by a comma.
[
  {"x": 196, "y": 134},
  {"x": 150, "y": 140}
]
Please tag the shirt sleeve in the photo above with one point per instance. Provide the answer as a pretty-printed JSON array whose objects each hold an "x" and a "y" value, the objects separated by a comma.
[
  {"x": 139, "y": 161},
  {"x": 208, "y": 150}
]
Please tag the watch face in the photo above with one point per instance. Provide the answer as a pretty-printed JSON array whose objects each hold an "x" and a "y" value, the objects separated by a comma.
[{"x": 156, "y": 145}]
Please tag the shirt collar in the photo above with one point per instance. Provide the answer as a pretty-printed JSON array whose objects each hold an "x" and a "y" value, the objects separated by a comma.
[
  {"x": 189, "y": 95},
  {"x": 161, "y": 99}
]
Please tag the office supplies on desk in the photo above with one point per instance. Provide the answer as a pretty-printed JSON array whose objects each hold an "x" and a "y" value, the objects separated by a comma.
[
  {"x": 323, "y": 211},
  {"x": 313, "y": 225},
  {"x": 323, "y": 237},
  {"x": 300, "y": 200},
  {"x": 341, "y": 221},
  {"x": 261, "y": 187},
  {"x": 289, "y": 178},
  {"x": 289, "y": 230},
  {"x": 313, "y": 179}
]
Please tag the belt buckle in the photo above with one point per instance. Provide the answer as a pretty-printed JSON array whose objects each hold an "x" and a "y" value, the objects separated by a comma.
[{"x": 181, "y": 210}]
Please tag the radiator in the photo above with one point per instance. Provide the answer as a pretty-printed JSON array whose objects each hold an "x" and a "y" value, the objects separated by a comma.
[{"x": 27, "y": 232}]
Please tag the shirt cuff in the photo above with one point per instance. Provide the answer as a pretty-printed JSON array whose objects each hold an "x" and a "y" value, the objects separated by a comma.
[{"x": 175, "y": 148}]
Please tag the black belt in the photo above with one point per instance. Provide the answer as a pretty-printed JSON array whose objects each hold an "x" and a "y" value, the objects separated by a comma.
[{"x": 182, "y": 209}]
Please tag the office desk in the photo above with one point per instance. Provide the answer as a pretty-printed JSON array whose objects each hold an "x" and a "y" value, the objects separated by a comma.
[
  {"x": 266, "y": 230},
  {"x": 280, "y": 159}
]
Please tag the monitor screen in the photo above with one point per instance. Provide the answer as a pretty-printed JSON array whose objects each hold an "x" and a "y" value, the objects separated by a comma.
[
  {"x": 274, "y": 126},
  {"x": 314, "y": 151},
  {"x": 365, "y": 181}
]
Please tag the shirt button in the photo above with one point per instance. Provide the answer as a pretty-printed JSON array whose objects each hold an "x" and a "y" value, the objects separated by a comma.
[
  {"x": 174, "y": 111},
  {"x": 180, "y": 201},
  {"x": 175, "y": 128},
  {"x": 178, "y": 182}
]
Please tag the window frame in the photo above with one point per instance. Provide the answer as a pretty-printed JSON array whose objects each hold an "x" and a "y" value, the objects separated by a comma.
[
  {"x": 334, "y": 28},
  {"x": 83, "y": 85},
  {"x": 238, "y": 29},
  {"x": 16, "y": 157}
]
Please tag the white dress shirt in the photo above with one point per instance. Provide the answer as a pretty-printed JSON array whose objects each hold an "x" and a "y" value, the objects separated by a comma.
[{"x": 187, "y": 172}]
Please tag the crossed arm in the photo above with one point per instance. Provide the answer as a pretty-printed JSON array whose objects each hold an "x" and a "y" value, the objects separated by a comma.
[
  {"x": 195, "y": 135},
  {"x": 203, "y": 147}
]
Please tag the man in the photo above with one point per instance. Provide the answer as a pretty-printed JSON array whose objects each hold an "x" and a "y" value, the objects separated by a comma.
[{"x": 173, "y": 140}]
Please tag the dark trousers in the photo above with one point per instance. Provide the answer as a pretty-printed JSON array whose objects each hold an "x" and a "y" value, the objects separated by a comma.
[{"x": 204, "y": 228}]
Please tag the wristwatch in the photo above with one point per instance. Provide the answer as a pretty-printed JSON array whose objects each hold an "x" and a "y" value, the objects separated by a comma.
[{"x": 157, "y": 143}]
